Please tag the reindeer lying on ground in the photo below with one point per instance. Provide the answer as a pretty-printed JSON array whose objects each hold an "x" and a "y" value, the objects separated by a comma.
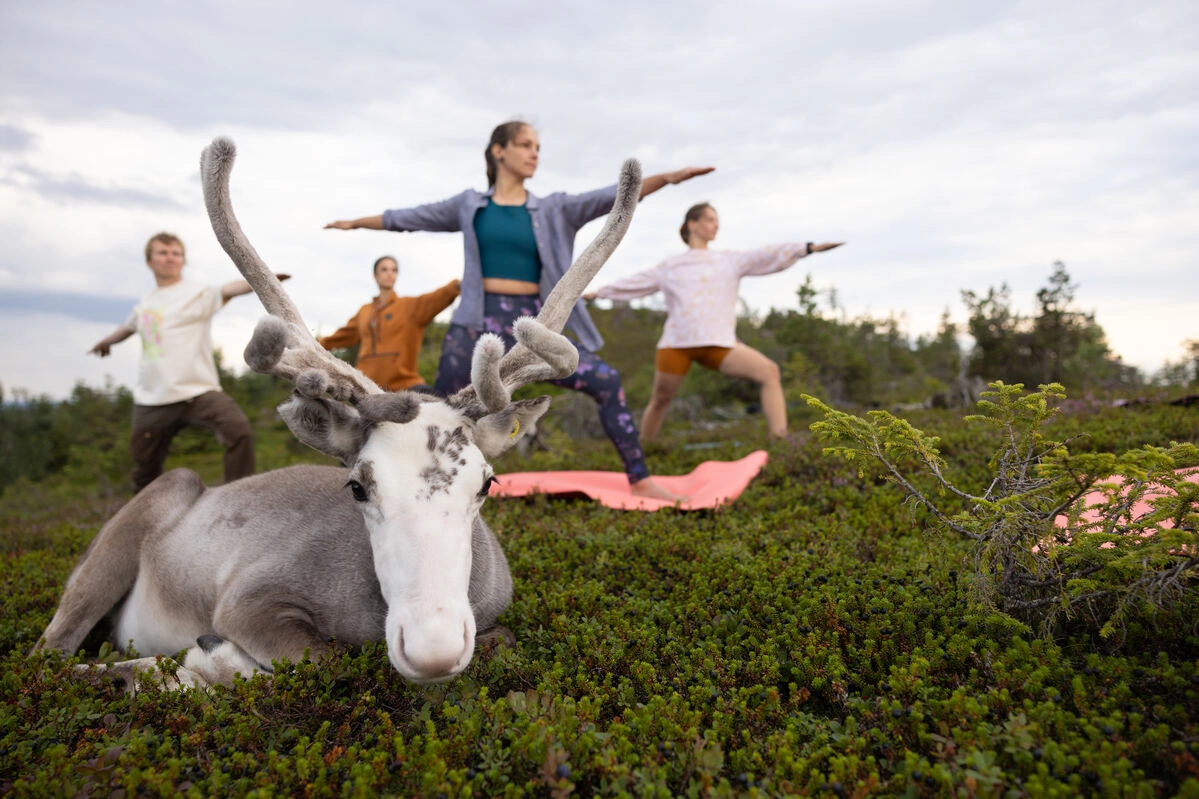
[{"x": 391, "y": 547}]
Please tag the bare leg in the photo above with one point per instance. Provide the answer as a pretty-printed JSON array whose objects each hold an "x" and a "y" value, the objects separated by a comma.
[
  {"x": 748, "y": 363},
  {"x": 666, "y": 385}
]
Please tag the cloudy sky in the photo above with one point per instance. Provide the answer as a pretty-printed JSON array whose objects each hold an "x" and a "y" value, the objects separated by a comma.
[{"x": 952, "y": 145}]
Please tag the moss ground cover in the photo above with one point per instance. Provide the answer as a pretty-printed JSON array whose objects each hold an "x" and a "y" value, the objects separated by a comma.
[{"x": 810, "y": 639}]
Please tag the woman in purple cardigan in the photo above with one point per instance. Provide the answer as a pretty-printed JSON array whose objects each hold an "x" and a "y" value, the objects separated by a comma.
[{"x": 517, "y": 246}]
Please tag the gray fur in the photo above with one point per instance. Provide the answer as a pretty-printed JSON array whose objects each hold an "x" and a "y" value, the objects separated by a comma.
[
  {"x": 209, "y": 642},
  {"x": 559, "y": 354},
  {"x": 400, "y": 408},
  {"x": 485, "y": 372},
  {"x": 216, "y": 163},
  {"x": 496, "y": 432},
  {"x": 329, "y": 427},
  {"x": 271, "y": 336},
  {"x": 312, "y": 383},
  {"x": 295, "y": 579}
]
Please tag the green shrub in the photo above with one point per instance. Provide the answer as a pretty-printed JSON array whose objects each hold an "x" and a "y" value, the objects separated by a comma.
[{"x": 1102, "y": 570}]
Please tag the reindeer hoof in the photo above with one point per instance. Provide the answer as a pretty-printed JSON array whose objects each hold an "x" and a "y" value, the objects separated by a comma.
[
  {"x": 490, "y": 640},
  {"x": 96, "y": 674}
]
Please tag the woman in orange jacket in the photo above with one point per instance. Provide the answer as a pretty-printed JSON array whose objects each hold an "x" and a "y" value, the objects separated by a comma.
[{"x": 388, "y": 330}]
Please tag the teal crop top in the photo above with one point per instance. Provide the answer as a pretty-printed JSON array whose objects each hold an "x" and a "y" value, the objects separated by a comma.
[{"x": 507, "y": 248}]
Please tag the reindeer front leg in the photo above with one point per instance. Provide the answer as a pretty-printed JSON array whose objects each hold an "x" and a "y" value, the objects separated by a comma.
[
  {"x": 212, "y": 661},
  {"x": 267, "y": 630}
]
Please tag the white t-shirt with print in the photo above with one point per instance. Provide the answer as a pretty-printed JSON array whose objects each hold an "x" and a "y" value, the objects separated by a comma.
[{"x": 175, "y": 327}]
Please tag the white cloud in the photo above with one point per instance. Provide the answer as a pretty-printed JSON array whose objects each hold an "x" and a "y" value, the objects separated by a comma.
[{"x": 954, "y": 146}]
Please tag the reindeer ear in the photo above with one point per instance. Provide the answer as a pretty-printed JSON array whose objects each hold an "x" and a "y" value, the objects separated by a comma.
[
  {"x": 329, "y": 427},
  {"x": 496, "y": 433}
]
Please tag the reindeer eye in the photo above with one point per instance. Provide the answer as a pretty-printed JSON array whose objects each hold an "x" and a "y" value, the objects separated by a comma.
[
  {"x": 357, "y": 490},
  {"x": 487, "y": 485}
]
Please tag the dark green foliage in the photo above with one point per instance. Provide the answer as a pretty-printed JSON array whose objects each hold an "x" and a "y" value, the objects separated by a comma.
[
  {"x": 865, "y": 361},
  {"x": 1105, "y": 569},
  {"x": 87, "y": 434},
  {"x": 810, "y": 639},
  {"x": 84, "y": 440},
  {"x": 1184, "y": 371},
  {"x": 1059, "y": 345}
]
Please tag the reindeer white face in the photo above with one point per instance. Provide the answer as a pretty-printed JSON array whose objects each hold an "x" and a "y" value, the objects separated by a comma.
[
  {"x": 420, "y": 485},
  {"x": 419, "y": 473}
]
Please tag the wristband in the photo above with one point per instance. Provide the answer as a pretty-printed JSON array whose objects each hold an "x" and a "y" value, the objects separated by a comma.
[{"x": 809, "y": 252}]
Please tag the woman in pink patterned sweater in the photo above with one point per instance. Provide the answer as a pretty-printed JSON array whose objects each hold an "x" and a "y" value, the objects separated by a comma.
[{"x": 701, "y": 314}]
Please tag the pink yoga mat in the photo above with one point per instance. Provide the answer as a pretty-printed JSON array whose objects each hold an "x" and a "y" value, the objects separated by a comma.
[
  {"x": 1094, "y": 500},
  {"x": 712, "y": 483}
]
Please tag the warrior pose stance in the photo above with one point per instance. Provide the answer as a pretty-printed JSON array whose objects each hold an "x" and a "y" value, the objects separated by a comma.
[{"x": 700, "y": 285}]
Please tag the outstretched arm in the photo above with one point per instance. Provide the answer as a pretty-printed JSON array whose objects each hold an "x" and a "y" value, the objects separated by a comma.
[
  {"x": 777, "y": 257},
  {"x": 438, "y": 217},
  {"x": 433, "y": 303},
  {"x": 654, "y": 182},
  {"x": 641, "y": 284},
  {"x": 368, "y": 222},
  {"x": 347, "y": 336},
  {"x": 240, "y": 287},
  {"x": 104, "y": 346}
]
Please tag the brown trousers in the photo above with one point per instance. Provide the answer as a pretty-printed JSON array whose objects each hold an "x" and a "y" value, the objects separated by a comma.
[{"x": 154, "y": 426}]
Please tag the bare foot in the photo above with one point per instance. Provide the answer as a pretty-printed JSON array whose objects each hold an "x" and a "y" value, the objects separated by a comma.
[{"x": 648, "y": 488}]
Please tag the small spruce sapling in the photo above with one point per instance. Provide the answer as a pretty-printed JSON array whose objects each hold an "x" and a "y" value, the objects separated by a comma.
[{"x": 1040, "y": 551}]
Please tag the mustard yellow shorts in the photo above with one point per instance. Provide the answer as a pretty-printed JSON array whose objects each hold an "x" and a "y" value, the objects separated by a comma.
[{"x": 676, "y": 361}]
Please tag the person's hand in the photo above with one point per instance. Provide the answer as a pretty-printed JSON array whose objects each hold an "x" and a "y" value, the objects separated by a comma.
[
  {"x": 102, "y": 349},
  {"x": 341, "y": 224},
  {"x": 590, "y": 296},
  {"x": 686, "y": 173},
  {"x": 828, "y": 245}
]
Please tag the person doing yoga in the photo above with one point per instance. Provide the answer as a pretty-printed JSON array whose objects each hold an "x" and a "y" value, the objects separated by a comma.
[
  {"x": 388, "y": 330},
  {"x": 700, "y": 285}
]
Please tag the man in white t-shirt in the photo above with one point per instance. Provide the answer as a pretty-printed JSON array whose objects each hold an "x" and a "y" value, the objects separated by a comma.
[{"x": 177, "y": 380}]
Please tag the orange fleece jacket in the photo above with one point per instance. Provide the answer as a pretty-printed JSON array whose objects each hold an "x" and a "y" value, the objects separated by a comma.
[{"x": 389, "y": 338}]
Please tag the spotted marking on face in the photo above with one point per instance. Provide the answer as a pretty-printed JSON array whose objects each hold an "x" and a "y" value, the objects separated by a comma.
[
  {"x": 446, "y": 447},
  {"x": 447, "y": 442}
]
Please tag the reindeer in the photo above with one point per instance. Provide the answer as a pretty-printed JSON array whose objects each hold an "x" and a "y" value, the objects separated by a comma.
[{"x": 391, "y": 546}]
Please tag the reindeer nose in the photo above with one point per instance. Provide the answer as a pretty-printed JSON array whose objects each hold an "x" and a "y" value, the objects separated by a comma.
[{"x": 435, "y": 652}]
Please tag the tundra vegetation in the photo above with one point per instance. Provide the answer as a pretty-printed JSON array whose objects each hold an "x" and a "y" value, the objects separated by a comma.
[{"x": 884, "y": 612}]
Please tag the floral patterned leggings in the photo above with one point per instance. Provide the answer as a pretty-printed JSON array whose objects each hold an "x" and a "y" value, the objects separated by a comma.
[{"x": 594, "y": 378}]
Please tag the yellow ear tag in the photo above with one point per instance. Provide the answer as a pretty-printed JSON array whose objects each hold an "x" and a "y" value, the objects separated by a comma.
[{"x": 515, "y": 428}]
